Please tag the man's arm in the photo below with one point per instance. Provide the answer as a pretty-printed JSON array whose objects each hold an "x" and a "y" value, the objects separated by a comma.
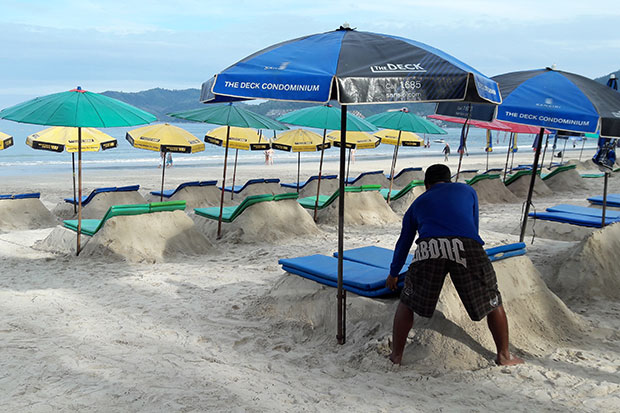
[{"x": 403, "y": 245}]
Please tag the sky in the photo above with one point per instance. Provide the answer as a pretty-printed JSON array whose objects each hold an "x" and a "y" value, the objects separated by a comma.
[{"x": 52, "y": 46}]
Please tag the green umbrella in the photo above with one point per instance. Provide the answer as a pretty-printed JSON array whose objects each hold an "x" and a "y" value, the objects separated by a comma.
[
  {"x": 403, "y": 120},
  {"x": 324, "y": 117},
  {"x": 228, "y": 115},
  {"x": 81, "y": 109}
]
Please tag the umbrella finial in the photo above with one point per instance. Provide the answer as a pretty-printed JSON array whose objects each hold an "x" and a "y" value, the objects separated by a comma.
[{"x": 345, "y": 26}]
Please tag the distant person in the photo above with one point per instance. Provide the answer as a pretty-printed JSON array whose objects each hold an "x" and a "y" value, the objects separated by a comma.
[
  {"x": 162, "y": 159},
  {"x": 446, "y": 151},
  {"x": 445, "y": 217},
  {"x": 169, "y": 160},
  {"x": 353, "y": 155},
  {"x": 267, "y": 157}
]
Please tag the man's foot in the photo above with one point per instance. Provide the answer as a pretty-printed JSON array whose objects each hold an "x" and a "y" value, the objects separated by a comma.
[{"x": 511, "y": 360}]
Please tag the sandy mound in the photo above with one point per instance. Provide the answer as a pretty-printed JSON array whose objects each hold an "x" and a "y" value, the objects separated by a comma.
[
  {"x": 99, "y": 205},
  {"x": 361, "y": 208},
  {"x": 407, "y": 177},
  {"x": 373, "y": 179},
  {"x": 194, "y": 196},
  {"x": 328, "y": 187},
  {"x": 585, "y": 165},
  {"x": 560, "y": 231},
  {"x": 521, "y": 186},
  {"x": 591, "y": 269},
  {"x": 493, "y": 191},
  {"x": 566, "y": 181},
  {"x": 401, "y": 205},
  {"x": 539, "y": 321},
  {"x": 27, "y": 213},
  {"x": 263, "y": 222},
  {"x": 463, "y": 176},
  {"x": 155, "y": 237}
]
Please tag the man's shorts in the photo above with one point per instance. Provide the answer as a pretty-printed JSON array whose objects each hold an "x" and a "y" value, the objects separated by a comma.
[{"x": 470, "y": 269}]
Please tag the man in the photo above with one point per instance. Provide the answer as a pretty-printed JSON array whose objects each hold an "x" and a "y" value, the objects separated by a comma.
[
  {"x": 446, "y": 219},
  {"x": 446, "y": 151}
]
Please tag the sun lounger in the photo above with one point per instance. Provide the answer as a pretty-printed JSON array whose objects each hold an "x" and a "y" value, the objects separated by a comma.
[
  {"x": 594, "y": 175},
  {"x": 613, "y": 200},
  {"x": 574, "y": 219},
  {"x": 87, "y": 198},
  {"x": 21, "y": 196},
  {"x": 91, "y": 226},
  {"x": 229, "y": 213},
  {"x": 324, "y": 200},
  {"x": 489, "y": 171},
  {"x": 519, "y": 174},
  {"x": 466, "y": 171},
  {"x": 403, "y": 171},
  {"x": 303, "y": 184},
  {"x": 170, "y": 192},
  {"x": 351, "y": 181},
  {"x": 399, "y": 193},
  {"x": 557, "y": 170},
  {"x": 481, "y": 177},
  {"x": 238, "y": 188},
  {"x": 286, "y": 195}
]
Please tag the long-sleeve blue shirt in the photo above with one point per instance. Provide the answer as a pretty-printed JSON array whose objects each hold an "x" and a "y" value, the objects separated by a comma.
[{"x": 444, "y": 210}]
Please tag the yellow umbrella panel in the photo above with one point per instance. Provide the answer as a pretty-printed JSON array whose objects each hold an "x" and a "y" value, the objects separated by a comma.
[
  {"x": 164, "y": 138},
  {"x": 5, "y": 141},
  {"x": 59, "y": 139},
  {"x": 299, "y": 140},
  {"x": 246, "y": 139},
  {"x": 355, "y": 140},
  {"x": 390, "y": 137}
]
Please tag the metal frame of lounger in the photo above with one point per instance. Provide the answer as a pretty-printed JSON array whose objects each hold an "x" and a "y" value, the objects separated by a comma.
[{"x": 352, "y": 181}]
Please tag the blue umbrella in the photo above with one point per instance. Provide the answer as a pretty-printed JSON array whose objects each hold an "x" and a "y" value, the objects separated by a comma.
[{"x": 352, "y": 67}]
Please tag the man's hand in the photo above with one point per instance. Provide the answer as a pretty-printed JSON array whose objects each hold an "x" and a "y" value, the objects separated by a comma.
[{"x": 391, "y": 283}]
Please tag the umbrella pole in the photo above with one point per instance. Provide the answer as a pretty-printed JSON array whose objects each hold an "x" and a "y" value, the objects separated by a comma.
[
  {"x": 219, "y": 220},
  {"x": 79, "y": 229},
  {"x": 464, "y": 133},
  {"x": 542, "y": 162},
  {"x": 341, "y": 334},
  {"x": 393, "y": 167},
  {"x": 348, "y": 164},
  {"x": 163, "y": 173},
  {"x": 563, "y": 151},
  {"x": 582, "y": 145},
  {"x": 298, "y": 165},
  {"x": 512, "y": 159},
  {"x": 507, "y": 156},
  {"x": 74, "y": 197},
  {"x": 318, "y": 184},
  {"x": 532, "y": 182},
  {"x": 489, "y": 139},
  {"x": 232, "y": 193},
  {"x": 604, "y": 199}
]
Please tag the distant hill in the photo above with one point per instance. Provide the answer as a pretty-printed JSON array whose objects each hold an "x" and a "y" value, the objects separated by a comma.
[{"x": 159, "y": 102}]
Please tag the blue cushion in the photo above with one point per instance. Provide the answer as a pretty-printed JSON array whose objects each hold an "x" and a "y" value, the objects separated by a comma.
[
  {"x": 613, "y": 200},
  {"x": 375, "y": 256},
  {"x": 575, "y": 219},
  {"x": 581, "y": 210},
  {"x": 363, "y": 174},
  {"x": 25, "y": 196}
]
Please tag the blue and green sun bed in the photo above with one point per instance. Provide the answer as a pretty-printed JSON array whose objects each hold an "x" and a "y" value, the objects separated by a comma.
[
  {"x": 91, "y": 226},
  {"x": 238, "y": 188},
  {"x": 302, "y": 185},
  {"x": 170, "y": 192},
  {"x": 491, "y": 170},
  {"x": 325, "y": 201},
  {"x": 577, "y": 215},
  {"x": 351, "y": 181},
  {"x": 404, "y": 171},
  {"x": 399, "y": 193},
  {"x": 481, "y": 177},
  {"x": 466, "y": 171},
  {"x": 87, "y": 198},
  {"x": 33, "y": 195},
  {"x": 365, "y": 269},
  {"x": 613, "y": 200},
  {"x": 524, "y": 172},
  {"x": 593, "y": 175},
  {"x": 230, "y": 213},
  {"x": 557, "y": 170}
]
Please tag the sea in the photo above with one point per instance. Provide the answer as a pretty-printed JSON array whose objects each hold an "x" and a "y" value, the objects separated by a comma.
[{"x": 20, "y": 159}]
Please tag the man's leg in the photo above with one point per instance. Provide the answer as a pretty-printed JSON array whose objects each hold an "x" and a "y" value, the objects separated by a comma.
[
  {"x": 498, "y": 324},
  {"x": 403, "y": 322}
]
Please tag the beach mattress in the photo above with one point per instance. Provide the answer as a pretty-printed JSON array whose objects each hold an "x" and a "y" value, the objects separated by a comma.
[
  {"x": 21, "y": 196},
  {"x": 575, "y": 219},
  {"x": 87, "y": 198},
  {"x": 303, "y": 184},
  {"x": 358, "y": 278},
  {"x": 581, "y": 210},
  {"x": 167, "y": 193},
  {"x": 613, "y": 200}
]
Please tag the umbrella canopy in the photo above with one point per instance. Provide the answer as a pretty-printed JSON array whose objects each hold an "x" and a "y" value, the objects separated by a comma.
[
  {"x": 164, "y": 137},
  {"x": 403, "y": 120},
  {"x": 59, "y": 139},
  {"x": 351, "y": 67},
  {"x": 325, "y": 117},
  {"x": 299, "y": 140},
  {"x": 5, "y": 141},
  {"x": 391, "y": 137},
  {"x": 492, "y": 124},
  {"x": 354, "y": 140},
  {"x": 81, "y": 109},
  {"x": 246, "y": 139}
]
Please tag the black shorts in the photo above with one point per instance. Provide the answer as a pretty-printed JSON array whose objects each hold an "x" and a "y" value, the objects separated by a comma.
[{"x": 470, "y": 269}]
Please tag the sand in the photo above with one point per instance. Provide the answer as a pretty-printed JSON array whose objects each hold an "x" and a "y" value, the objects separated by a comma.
[
  {"x": 407, "y": 177},
  {"x": 99, "y": 205},
  {"x": 29, "y": 213},
  {"x": 493, "y": 191},
  {"x": 521, "y": 186},
  {"x": 401, "y": 205},
  {"x": 566, "y": 181},
  {"x": 361, "y": 208},
  {"x": 220, "y": 330}
]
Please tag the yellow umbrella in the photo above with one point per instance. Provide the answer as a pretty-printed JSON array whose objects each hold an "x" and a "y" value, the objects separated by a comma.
[
  {"x": 390, "y": 137},
  {"x": 60, "y": 138},
  {"x": 354, "y": 140},
  {"x": 5, "y": 141},
  {"x": 299, "y": 140},
  {"x": 246, "y": 139},
  {"x": 164, "y": 138}
]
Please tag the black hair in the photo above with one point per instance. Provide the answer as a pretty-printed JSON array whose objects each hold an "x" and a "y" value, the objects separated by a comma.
[{"x": 437, "y": 173}]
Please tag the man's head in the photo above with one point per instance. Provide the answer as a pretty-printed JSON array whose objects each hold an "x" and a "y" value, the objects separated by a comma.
[{"x": 436, "y": 173}]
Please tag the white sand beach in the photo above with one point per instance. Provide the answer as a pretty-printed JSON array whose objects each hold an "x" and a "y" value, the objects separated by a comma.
[{"x": 156, "y": 315}]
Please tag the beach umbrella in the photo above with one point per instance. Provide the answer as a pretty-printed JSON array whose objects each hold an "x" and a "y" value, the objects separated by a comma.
[
  {"x": 164, "y": 138},
  {"x": 5, "y": 141},
  {"x": 351, "y": 67},
  {"x": 60, "y": 139},
  {"x": 80, "y": 109},
  {"x": 402, "y": 121},
  {"x": 300, "y": 140},
  {"x": 230, "y": 116},
  {"x": 553, "y": 99},
  {"x": 246, "y": 139},
  {"x": 324, "y": 117},
  {"x": 353, "y": 141}
]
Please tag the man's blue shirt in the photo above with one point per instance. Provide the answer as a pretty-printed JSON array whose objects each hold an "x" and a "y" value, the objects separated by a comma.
[{"x": 444, "y": 210}]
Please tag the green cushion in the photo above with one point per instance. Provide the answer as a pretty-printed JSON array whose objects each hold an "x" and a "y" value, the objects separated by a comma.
[
  {"x": 286, "y": 195},
  {"x": 396, "y": 194},
  {"x": 229, "y": 213},
  {"x": 558, "y": 170},
  {"x": 481, "y": 177},
  {"x": 370, "y": 188},
  {"x": 324, "y": 200},
  {"x": 517, "y": 175},
  {"x": 599, "y": 175}
]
